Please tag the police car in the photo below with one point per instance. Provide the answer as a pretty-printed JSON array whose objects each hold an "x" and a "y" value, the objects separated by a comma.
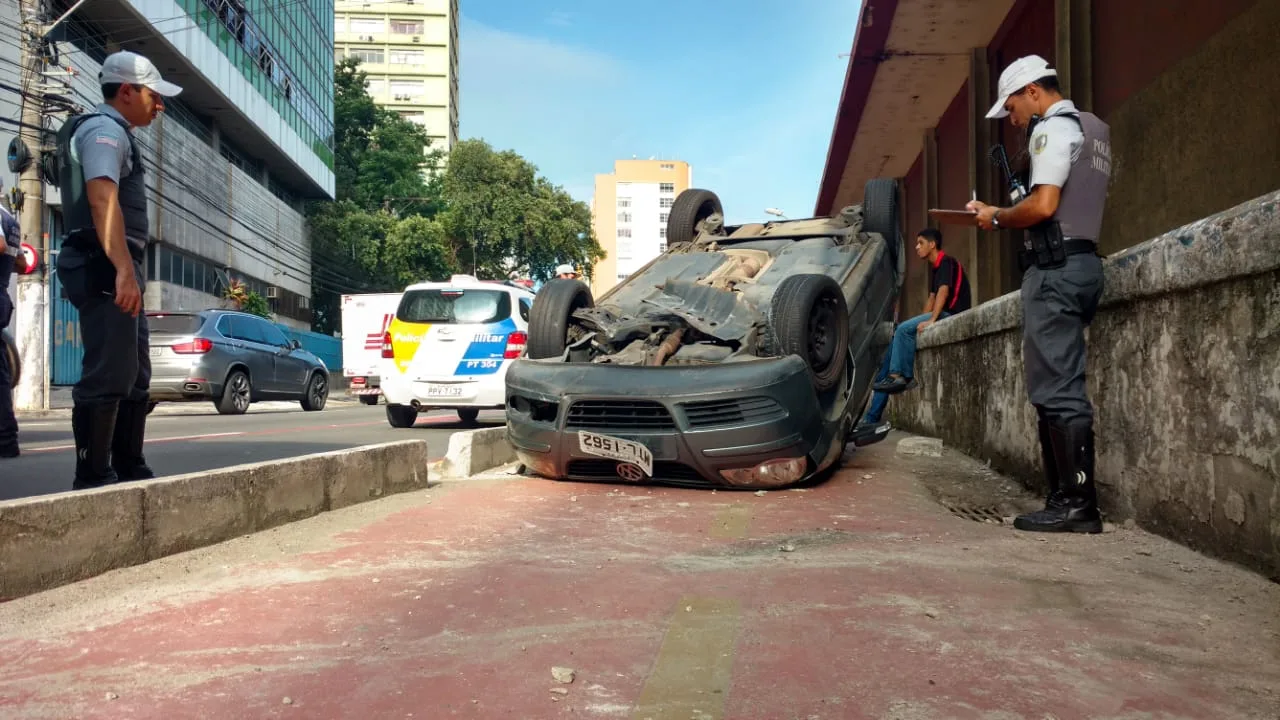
[{"x": 449, "y": 346}]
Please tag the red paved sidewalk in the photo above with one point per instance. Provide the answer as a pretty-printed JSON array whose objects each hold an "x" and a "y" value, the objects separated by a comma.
[{"x": 860, "y": 598}]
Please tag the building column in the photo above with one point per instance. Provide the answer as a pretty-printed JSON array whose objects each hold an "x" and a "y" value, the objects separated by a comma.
[
  {"x": 1073, "y": 46},
  {"x": 989, "y": 252}
]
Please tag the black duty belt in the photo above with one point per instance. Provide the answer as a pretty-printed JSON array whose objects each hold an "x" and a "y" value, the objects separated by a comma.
[{"x": 1070, "y": 246}]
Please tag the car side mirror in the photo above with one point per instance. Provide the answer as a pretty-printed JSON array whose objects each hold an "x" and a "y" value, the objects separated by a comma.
[{"x": 294, "y": 344}]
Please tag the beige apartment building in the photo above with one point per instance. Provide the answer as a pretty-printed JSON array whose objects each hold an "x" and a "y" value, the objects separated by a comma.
[
  {"x": 629, "y": 215},
  {"x": 409, "y": 49}
]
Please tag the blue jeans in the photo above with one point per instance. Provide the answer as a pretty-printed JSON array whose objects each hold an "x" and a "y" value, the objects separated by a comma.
[
  {"x": 879, "y": 399},
  {"x": 903, "y": 349}
]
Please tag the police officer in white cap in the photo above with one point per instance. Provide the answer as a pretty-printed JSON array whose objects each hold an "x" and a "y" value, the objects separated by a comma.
[
  {"x": 1070, "y": 154},
  {"x": 566, "y": 272},
  {"x": 101, "y": 267}
]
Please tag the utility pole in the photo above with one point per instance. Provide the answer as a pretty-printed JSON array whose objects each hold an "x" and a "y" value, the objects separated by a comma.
[{"x": 32, "y": 314}]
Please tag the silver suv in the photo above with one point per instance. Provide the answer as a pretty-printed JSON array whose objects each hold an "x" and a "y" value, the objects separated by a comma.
[{"x": 233, "y": 359}]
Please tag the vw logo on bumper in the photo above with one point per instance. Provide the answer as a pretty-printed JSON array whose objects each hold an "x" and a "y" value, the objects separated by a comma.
[{"x": 629, "y": 472}]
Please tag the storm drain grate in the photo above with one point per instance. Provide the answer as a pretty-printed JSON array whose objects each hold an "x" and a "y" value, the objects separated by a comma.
[{"x": 977, "y": 514}]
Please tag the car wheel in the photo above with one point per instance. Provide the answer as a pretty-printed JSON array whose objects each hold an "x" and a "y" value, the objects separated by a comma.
[
  {"x": 369, "y": 399},
  {"x": 237, "y": 393},
  {"x": 549, "y": 318},
  {"x": 401, "y": 416},
  {"x": 811, "y": 319},
  {"x": 468, "y": 415},
  {"x": 317, "y": 393},
  {"x": 11, "y": 356},
  {"x": 880, "y": 213},
  {"x": 690, "y": 208}
]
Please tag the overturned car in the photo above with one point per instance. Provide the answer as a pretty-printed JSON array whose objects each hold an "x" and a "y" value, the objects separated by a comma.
[{"x": 743, "y": 356}]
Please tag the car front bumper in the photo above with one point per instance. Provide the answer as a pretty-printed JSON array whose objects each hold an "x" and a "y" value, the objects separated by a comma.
[{"x": 751, "y": 424}]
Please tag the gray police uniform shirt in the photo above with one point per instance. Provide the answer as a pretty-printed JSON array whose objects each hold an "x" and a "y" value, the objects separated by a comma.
[
  {"x": 104, "y": 150},
  {"x": 1055, "y": 145}
]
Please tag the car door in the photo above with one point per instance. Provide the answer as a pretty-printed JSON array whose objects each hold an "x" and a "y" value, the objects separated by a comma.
[
  {"x": 291, "y": 370},
  {"x": 257, "y": 353}
]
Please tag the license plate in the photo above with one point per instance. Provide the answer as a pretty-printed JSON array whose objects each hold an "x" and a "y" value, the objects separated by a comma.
[
  {"x": 157, "y": 352},
  {"x": 444, "y": 391},
  {"x": 615, "y": 448}
]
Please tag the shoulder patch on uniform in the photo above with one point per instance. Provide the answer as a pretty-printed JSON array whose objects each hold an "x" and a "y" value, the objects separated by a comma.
[
  {"x": 1040, "y": 142},
  {"x": 107, "y": 140}
]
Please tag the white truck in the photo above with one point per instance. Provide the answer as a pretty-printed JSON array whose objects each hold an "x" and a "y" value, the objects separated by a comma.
[{"x": 365, "y": 318}]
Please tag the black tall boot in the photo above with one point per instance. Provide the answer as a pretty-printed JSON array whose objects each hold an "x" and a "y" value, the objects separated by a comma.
[
  {"x": 1073, "y": 507},
  {"x": 1047, "y": 459},
  {"x": 126, "y": 444},
  {"x": 93, "y": 425}
]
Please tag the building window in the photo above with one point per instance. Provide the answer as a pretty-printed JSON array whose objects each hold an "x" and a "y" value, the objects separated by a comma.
[
  {"x": 407, "y": 27},
  {"x": 662, "y": 217},
  {"x": 369, "y": 56},
  {"x": 404, "y": 90},
  {"x": 624, "y": 232},
  {"x": 408, "y": 57},
  {"x": 368, "y": 26},
  {"x": 624, "y": 217},
  {"x": 666, "y": 187},
  {"x": 666, "y": 202},
  {"x": 624, "y": 202},
  {"x": 668, "y": 166},
  {"x": 662, "y": 246},
  {"x": 662, "y": 233}
]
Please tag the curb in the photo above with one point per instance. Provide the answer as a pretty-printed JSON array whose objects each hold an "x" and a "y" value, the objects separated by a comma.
[
  {"x": 52, "y": 540},
  {"x": 472, "y": 452}
]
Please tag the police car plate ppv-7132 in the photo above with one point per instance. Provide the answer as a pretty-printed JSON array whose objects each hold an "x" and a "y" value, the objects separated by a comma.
[{"x": 615, "y": 448}]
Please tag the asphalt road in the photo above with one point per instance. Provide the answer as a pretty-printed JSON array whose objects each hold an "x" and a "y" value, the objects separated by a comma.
[{"x": 203, "y": 440}]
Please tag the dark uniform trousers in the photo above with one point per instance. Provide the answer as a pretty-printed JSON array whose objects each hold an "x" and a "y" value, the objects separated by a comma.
[
  {"x": 112, "y": 393},
  {"x": 8, "y": 422},
  {"x": 1057, "y": 305}
]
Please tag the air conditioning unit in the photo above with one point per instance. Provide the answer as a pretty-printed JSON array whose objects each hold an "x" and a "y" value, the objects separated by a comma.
[
  {"x": 367, "y": 38},
  {"x": 271, "y": 291}
]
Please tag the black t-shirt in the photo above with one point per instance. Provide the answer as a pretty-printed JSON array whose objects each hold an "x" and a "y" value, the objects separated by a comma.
[{"x": 947, "y": 271}]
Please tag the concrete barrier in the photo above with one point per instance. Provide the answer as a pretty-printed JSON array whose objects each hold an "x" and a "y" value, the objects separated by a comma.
[
  {"x": 53, "y": 540},
  {"x": 471, "y": 452}
]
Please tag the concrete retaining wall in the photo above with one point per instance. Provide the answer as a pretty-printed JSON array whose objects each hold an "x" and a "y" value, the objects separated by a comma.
[
  {"x": 1184, "y": 372},
  {"x": 53, "y": 540}
]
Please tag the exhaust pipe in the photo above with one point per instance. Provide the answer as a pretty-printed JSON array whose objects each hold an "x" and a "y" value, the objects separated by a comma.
[
  {"x": 415, "y": 405},
  {"x": 191, "y": 387}
]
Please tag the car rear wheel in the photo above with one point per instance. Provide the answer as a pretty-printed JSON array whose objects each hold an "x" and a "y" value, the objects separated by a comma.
[
  {"x": 401, "y": 416},
  {"x": 880, "y": 213},
  {"x": 551, "y": 314},
  {"x": 690, "y": 208},
  {"x": 236, "y": 394},
  {"x": 468, "y": 415},
  {"x": 811, "y": 319},
  {"x": 317, "y": 393}
]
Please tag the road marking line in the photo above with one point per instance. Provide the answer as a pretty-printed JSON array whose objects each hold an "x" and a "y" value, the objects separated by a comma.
[
  {"x": 731, "y": 522},
  {"x": 694, "y": 668},
  {"x": 72, "y": 446}
]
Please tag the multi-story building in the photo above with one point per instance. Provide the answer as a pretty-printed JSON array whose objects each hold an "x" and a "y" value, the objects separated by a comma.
[
  {"x": 629, "y": 215},
  {"x": 409, "y": 49},
  {"x": 228, "y": 163}
]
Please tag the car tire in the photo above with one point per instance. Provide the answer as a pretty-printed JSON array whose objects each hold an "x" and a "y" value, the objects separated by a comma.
[
  {"x": 369, "y": 399},
  {"x": 549, "y": 318},
  {"x": 690, "y": 208},
  {"x": 401, "y": 416},
  {"x": 880, "y": 213},
  {"x": 237, "y": 394},
  {"x": 468, "y": 415},
  {"x": 14, "y": 360},
  {"x": 316, "y": 393},
  {"x": 811, "y": 319}
]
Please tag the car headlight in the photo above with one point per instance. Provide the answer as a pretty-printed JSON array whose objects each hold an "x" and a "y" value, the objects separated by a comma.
[{"x": 770, "y": 473}]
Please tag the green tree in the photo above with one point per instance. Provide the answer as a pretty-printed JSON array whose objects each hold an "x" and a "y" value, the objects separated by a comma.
[{"x": 501, "y": 215}]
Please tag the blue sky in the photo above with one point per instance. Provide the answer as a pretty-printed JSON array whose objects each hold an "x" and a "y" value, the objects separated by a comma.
[{"x": 743, "y": 90}]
